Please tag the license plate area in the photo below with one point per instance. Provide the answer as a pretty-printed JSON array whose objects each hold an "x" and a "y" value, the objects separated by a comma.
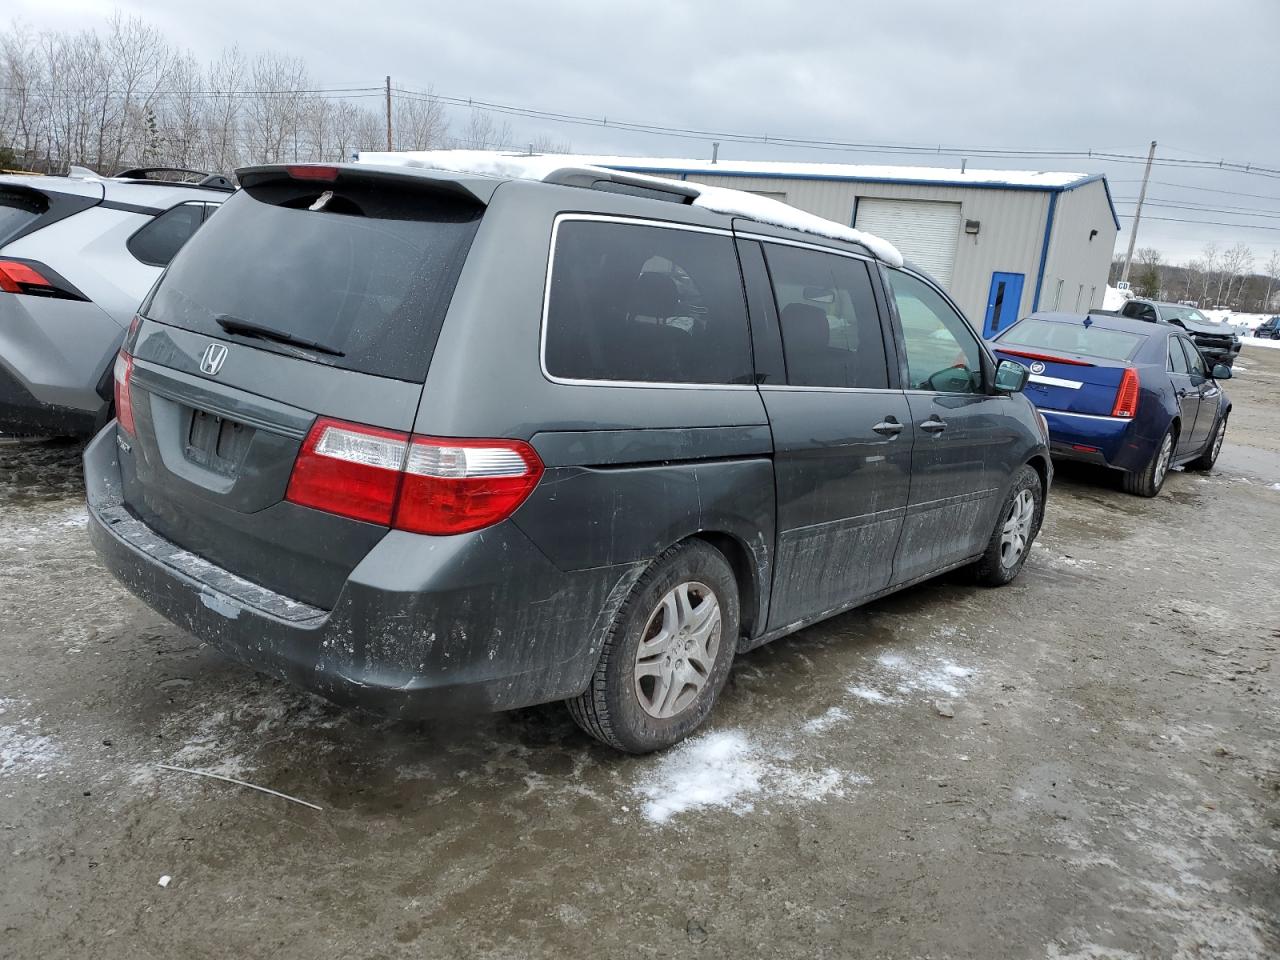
[{"x": 216, "y": 443}]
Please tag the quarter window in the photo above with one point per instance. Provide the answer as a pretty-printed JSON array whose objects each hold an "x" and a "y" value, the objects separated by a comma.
[
  {"x": 942, "y": 352},
  {"x": 157, "y": 242},
  {"x": 634, "y": 302},
  {"x": 1177, "y": 359},
  {"x": 1194, "y": 361},
  {"x": 831, "y": 335}
]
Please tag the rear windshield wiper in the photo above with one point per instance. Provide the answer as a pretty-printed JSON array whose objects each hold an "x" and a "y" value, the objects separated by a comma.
[{"x": 249, "y": 328}]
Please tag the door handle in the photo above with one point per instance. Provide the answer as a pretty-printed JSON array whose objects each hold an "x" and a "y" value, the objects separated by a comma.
[
  {"x": 1182, "y": 392},
  {"x": 934, "y": 424},
  {"x": 888, "y": 428}
]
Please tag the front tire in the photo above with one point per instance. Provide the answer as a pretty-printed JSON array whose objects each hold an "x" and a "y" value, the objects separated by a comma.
[
  {"x": 667, "y": 655},
  {"x": 1016, "y": 528},
  {"x": 1148, "y": 481},
  {"x": 1207, "y": 459}
]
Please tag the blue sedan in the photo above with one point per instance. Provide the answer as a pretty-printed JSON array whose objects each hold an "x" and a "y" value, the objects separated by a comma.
[{"x": 1130, "y": 395}]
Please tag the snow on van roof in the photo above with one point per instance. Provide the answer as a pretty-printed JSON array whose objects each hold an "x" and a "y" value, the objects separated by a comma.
[
  {"x": 735, "y": 203},
  {"x": 970, "y": 176}
]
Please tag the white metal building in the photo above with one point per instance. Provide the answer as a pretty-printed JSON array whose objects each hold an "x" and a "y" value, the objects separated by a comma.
[{"x": 1003, "y": 242}]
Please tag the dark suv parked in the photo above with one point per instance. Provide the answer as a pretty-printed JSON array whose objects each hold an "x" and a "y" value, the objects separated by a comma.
[{"x": 424, "y": 442}]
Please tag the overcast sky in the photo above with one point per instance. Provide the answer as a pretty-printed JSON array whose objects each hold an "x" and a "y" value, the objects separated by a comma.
[{"x": 1202, "y": 78}]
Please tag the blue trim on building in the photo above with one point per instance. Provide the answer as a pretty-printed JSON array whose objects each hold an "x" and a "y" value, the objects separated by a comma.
[{"x": 1044, "y": 248}]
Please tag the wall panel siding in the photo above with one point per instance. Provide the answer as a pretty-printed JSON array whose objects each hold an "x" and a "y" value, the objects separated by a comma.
[{"x": 1075, "y": 262}]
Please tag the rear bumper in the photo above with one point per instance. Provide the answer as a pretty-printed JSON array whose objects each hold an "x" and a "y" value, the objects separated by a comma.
[
  {"x": 55, "y": 360},
  {"x": 1107, "y": 441},
  {"x": 423, "y": 627}
]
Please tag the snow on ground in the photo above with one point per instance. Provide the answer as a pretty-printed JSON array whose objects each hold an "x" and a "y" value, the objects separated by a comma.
[
  {"x": 490, "y": 163},
  {"x": 1257, "y": 342},
  {"x": 729, "y": 770},
  {"x": 22, "y": 747}
]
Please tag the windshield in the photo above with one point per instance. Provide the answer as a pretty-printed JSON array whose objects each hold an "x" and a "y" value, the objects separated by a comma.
[
  {"x": 367, "y": 272},
  {"x": 1183, "y": 313},
  {"x": 1087, "y": 341}
]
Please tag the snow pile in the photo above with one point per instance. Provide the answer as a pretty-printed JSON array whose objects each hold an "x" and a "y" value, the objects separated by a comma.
[
  {"x": 1259, "y": 342},
  {"x": 735, "y": 203},
  {"x": 728, "y": 770},
  {"x": 21, "y": 748},
  {"x": 1114, "y": 299}
]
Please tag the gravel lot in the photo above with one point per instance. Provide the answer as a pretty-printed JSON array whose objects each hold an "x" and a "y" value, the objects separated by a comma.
[{"x": 1107, "y": 787}]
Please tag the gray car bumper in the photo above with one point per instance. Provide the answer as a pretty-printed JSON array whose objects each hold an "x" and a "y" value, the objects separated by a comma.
[
  {"x": 424, "y": 626},
  {"x": 55, "y": 364}
]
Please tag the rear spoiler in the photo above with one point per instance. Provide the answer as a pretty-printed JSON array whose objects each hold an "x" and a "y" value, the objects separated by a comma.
[{"x": 477, "y": 189}]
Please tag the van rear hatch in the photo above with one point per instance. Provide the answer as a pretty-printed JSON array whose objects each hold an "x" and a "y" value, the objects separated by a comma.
[
  {"x": 1076, "y": 366},
  {"x": 313, "y": 292}
]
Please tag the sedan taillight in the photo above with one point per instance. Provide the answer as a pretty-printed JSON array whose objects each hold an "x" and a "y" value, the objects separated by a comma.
[{"x": 419, "y": 484}]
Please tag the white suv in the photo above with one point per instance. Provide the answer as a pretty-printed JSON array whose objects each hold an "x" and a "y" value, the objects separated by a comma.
[{"x": 77, "y": 255}]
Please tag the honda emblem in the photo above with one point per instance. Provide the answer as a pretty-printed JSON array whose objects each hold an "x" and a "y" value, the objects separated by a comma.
[{"x": 211, "y": 361}]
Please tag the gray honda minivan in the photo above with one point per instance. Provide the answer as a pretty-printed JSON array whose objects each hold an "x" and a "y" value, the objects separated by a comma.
[{"x": 427, "y": 442}]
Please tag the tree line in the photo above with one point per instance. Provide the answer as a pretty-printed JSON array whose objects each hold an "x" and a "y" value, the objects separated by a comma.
[
  {"x": 123, "y": 96},
  {"x": 1217, "y": 277}
]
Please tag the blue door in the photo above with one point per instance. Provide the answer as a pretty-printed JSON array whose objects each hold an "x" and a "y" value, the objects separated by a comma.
[{"x": 1003, "y": 302}]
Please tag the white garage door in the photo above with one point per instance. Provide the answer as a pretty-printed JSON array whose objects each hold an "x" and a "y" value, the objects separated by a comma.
[{"x": 926, "y": 231}]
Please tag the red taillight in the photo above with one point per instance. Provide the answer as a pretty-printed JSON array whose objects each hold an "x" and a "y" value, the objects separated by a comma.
[
  {"x": 1127, "y": 396},
  {"x": 418, "y": 484},
  {"x": 1049, "y": 357},
  {"x": 124, "y": 394},
  {"x": 312, "y": 171},
  {"x": 17, "y": 277},
  {"x": 349, "y": 469},
  {"x": 452, "y": 486}
]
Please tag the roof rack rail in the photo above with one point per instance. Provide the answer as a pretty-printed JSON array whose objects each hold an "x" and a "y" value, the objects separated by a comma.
[
  {"x": 616, "y": 181},
  {"x": 209, "y": 181}
]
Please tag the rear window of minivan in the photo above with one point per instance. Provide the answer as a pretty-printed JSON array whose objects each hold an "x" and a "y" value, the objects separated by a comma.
[
  {"x": 637, "y": 302},
  {"x": 365, "y": 269}
]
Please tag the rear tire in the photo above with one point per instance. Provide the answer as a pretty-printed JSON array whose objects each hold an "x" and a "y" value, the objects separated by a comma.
[
  {"x": 667, "y": 655},
  {"x": 1207, "y": 459},
  {"x": 1016, "y": 528},
  {"x": 1148, "y": 481}
]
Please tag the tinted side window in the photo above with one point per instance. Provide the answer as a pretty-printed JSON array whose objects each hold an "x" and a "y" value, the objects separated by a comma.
[
  {"x": 1194, "y": 361},
  {"x": 942, "y": 353},
  {"x": 647, "y": 304},
  {"x": 1177, "y": 359},
  {"x": 158, "y": 241},
  {"x": 831, "y": 335}
]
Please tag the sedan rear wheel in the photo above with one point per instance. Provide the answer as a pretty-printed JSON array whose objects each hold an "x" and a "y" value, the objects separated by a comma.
[{"x": 1148, "y": 481}]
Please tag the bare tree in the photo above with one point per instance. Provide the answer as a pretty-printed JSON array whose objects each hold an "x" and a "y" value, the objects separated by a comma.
[
  {"x": 1209, "y": 256},
  {"x": 483, "y": 134},
  {"x": 1272, "y": 270},
  {"x": 1237, "y": 263},
  {"x": 225, "y": 86},
  {"x": 418, "y": 122},
  {"x": 545, "y": 143},
  {"x": 1149, "y": 276}
]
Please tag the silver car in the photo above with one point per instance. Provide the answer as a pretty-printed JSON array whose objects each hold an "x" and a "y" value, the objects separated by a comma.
[{"x": 77, "y": 255}]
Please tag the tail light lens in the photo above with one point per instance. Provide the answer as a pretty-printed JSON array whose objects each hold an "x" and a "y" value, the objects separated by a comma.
[
  {"x": 34, "y": 279},
  {"x": 418, "y": 484},
  {"x": 122, "y": 374},
  {"x": 452, "y": 486},
  {"x": 350, "y": 470},
  {"x": 1126, "y": 404}
]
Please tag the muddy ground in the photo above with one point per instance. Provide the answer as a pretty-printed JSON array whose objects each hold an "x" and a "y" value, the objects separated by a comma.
[{"x": 1108, "y": 787}]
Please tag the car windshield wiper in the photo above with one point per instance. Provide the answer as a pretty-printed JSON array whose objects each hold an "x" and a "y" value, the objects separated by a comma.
[{"x": 250, "y": 328}]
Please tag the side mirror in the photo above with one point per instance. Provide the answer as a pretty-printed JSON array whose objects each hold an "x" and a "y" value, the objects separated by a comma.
[
  {"x": 1221, "y": 371},
  {"x": 1010, "y": 377}
]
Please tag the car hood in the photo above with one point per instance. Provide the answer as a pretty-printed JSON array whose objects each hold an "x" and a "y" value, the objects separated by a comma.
[{"x": 1215, "y": 329}]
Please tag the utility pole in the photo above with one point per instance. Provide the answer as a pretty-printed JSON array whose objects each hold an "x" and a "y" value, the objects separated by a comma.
[
  {"x": 1137, "y": 214},
  {"x": 389, "y": 147}
]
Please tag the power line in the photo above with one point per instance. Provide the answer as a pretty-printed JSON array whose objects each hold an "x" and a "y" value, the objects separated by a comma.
[
  {"x": 1201, "y": 208},
  {"x": 655, "y": 129},
  {"x": 1188, "y": 186},
  {"x": 1210, "y": 223}
]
